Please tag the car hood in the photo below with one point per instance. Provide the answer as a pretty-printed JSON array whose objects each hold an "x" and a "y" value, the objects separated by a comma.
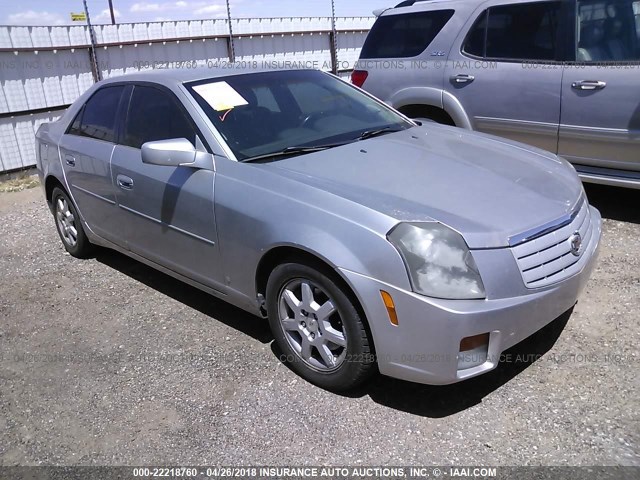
[{"x": 487, "y": 188}]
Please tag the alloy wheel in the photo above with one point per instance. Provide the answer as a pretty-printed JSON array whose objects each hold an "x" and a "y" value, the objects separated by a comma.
[
  {"x": 66, "y": 222},
  {"x": 312, "y": 325}
]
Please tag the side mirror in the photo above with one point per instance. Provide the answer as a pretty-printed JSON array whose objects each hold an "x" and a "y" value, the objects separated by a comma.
[{"x": 176, "y": 152}]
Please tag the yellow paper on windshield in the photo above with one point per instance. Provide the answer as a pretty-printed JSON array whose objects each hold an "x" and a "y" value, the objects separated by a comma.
[{"x": 220, "y": 95}]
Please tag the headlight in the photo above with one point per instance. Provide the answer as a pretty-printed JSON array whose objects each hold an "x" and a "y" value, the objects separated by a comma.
[{"x": 438, "y": 261}]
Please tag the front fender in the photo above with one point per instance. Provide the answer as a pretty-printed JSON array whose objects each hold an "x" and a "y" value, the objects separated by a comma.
[{"x": 253, "y": 219}]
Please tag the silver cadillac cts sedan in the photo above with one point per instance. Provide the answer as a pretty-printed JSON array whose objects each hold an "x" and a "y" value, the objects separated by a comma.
[{"x": 365, "y": 239}]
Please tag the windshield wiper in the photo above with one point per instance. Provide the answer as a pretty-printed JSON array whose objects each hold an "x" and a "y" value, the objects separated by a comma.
[
  {"x": 299, "y": 150},
  {"x": 378, "y": 132},
  {"x": 290, "y": 151}
]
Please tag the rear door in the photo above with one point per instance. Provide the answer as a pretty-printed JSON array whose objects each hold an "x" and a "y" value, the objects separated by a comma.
[
  {"x": 85, "y": 151},
  {"x": 600, "y": 124},
  {"x": 167, "y": 213},
  {"x": 506, "y": 71}
]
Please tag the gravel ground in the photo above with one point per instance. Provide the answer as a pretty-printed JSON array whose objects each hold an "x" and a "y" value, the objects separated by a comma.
[{"x": 108, "y": 362}]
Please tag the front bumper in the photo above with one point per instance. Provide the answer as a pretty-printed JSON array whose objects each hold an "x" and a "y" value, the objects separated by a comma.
[{"x": 424, "y": 346}]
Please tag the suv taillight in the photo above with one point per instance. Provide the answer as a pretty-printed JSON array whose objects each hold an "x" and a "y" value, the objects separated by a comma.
[{"x": 358, "y": 77}]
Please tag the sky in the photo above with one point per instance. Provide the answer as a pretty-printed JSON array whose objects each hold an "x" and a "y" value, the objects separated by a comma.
[{"x": 57, "y": 12}]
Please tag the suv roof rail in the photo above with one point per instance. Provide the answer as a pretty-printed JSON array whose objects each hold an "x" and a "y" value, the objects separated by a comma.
[
  {"x": 408, "y": 3},
  {"x": 405, "y": 3}
]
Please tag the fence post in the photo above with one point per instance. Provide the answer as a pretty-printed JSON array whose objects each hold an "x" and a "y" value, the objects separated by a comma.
[
  {"x": 97, "y": 76},
  {"x": 113, "y": 15},
  {"x": 230, "y": 44},
  {"x": 333, "y": 38}
]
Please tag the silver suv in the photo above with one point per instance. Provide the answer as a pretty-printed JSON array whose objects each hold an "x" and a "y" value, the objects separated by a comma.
[{"x": 562, "y": 75}]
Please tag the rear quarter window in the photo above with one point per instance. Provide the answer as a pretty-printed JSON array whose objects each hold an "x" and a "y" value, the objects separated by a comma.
[{"x": 404, "y": 35}]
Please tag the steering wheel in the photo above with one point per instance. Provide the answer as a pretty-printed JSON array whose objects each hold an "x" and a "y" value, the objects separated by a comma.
[{"x": 312, "y": 118}]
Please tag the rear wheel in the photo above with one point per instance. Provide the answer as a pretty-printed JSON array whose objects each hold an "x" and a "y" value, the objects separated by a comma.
[
  {"x": 318, "y": 328},
  {"x": 69, "y": 225}
]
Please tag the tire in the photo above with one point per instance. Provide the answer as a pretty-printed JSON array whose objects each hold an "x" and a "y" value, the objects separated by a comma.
[
  {"x": 69, "y": 225},
  {"x": 318, "y": 328}
]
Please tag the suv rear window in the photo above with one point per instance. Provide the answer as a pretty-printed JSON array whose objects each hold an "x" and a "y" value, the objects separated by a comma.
[
  {"x": 526, "y": 31},
  {"x": 404, "y": 35}
]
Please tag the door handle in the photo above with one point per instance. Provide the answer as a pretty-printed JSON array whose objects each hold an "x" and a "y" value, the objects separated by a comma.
[
  {"x": 70, "y": 160},
  {"x": 589, "y": 85},
  {"x": 124, "y": 182},
  {"x": 462, "y": 78}
]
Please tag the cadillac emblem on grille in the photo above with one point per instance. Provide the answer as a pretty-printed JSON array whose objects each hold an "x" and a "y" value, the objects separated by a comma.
[{"x": 575, "y": 242}]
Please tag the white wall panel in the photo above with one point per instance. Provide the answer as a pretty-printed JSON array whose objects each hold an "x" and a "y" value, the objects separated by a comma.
[
  {"x": 130, "y": 58},
  {"x": 5, "y": 37},
  {"x": 349, "y": 46},
  {"x": 17, "y": 139},
  {"x": 306, "y": 47},
  {"x": 32, "y": 81}
]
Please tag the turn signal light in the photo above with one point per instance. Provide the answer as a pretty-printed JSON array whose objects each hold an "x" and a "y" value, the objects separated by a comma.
[
  {"x": 358, "y": 77},
  {"x": 474, "y": 351},
  {"x": 471, "y": 343},
  {"x": 391, "y": 307}
]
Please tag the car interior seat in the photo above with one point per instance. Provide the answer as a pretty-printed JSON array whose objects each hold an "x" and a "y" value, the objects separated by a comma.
[
  {"x": 591, "y": 47},
  {"x": 618, "y": 48}
]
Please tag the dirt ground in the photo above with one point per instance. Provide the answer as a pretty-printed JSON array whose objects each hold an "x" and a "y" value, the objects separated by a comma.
[{"x": 108, "y": 362}]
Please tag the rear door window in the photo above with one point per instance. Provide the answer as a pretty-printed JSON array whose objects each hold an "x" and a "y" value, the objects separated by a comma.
[
  {"x": 404, "y": 35},
  {"x": 97, "y": 118},
  {"x": 527, "y": 31}
]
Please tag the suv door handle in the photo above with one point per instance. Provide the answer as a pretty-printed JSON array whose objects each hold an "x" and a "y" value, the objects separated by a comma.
[
  {"x": 70, "y": 160},
  {"x": 124, "y": 182},
  {"x": 589, "y": 85},
  {"x": 462, "y": 78}
]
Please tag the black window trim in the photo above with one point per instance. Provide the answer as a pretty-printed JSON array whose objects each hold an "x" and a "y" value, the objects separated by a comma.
[{"x": 567, "y": 18}]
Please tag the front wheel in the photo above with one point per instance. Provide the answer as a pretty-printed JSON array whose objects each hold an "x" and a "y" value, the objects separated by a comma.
[
  {"x": 69, "y": 225},
  {"x": 318, "y": 328}
]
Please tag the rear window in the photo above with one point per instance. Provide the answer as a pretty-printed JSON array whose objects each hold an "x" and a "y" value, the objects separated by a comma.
[{"x": 404, "y": 35}]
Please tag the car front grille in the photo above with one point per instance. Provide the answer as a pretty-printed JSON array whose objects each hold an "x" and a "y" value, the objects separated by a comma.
[{"x": 547, "y": 258}]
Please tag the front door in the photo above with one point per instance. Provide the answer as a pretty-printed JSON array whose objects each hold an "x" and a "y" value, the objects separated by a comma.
[
  {"x": 506, "y": 71},
  {"x": 600, "y": 125},
  {"x": 167, "y": 212}
]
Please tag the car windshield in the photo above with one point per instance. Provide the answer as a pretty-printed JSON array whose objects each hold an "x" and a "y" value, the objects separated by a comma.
[{"x": 290, "y": 112}]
